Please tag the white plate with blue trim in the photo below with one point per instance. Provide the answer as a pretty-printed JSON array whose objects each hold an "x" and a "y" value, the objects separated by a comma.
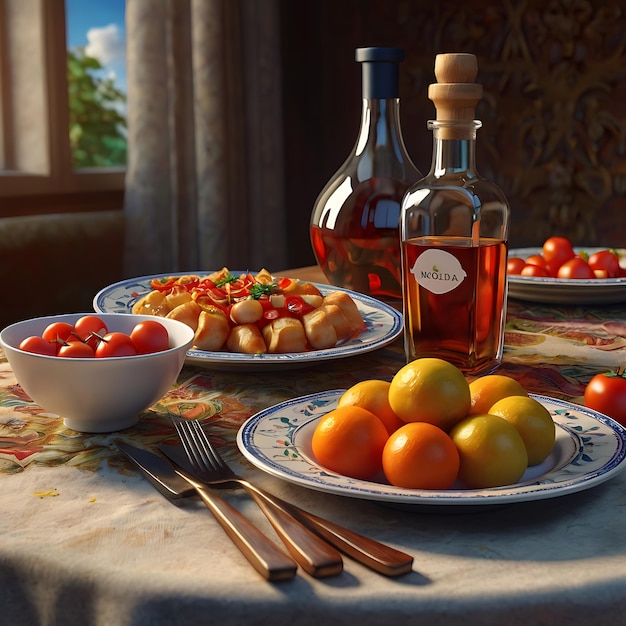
[
  {"x": 566, "y": 290},
  {"x": 383, "y": 324},
  {"x": 589, "y": 449}
]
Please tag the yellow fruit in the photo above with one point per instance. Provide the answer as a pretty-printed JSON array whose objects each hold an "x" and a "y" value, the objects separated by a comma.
[
  {"x": 533, "y": 422},
  {"x": 373, "y": 395},
  {"x": 491, "y": 450},
  {"x": 430, "y": 390},
  {"x": 487, "y": 390}
]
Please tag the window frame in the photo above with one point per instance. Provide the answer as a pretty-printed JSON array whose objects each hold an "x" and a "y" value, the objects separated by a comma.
[{"x": 35, "y": 155}]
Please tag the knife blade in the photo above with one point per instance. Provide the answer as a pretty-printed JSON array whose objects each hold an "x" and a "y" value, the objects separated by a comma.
[
  {"x": 271, "y": 562},
  {"x": 158, "y": 471}
]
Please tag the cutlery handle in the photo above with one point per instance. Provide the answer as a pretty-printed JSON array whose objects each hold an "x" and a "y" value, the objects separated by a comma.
[
  {"x": 271, "y": 562},
  {"x": 313, "y": 554},
  {"x": 369, "y": 552}
]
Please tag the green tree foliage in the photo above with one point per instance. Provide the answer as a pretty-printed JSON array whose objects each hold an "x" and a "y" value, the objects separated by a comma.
[{"x": 97, "y": 124}]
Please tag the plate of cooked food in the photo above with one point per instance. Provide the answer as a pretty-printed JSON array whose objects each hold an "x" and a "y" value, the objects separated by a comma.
[{"x": 250, "y": 320}]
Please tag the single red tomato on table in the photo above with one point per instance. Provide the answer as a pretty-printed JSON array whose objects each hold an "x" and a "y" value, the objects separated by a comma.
[
  {"x": 576, "y": 269},
  {"x": 150, "y": 336},
  {"x": 606, "y": 393}
]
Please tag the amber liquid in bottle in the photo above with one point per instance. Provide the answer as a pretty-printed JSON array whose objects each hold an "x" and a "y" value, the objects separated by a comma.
[
  {"x": 461, "y": 321},
  {"x": 354, "y": 228},
  {"x": 362, "y": 249}
]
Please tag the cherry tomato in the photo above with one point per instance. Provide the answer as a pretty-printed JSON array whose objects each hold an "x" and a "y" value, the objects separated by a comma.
[
  {"x": 38, "y": 345},
  {"x": 514, "y": 265},
  {"x": 534, "y": 270},
  {"x": 575, "y": 269},
  {"x": 605, "y": 261},
  {"x": 150, "y": 336},
  {"x": 58, "y": 331},
  {"x": 557, "y": 250},
  {"x": 606, "y": 393},
  {"x": 115, "y": 344},
  {"x": 90, "y": 328},
  {"x": 536, "y": 259},
  {"x": 76, "y": 349}
]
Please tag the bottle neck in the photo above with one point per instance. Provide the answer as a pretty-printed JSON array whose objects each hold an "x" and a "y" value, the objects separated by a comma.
[
  {"x": 380, "y": 133},
  {"x": 454, "y": 145}
]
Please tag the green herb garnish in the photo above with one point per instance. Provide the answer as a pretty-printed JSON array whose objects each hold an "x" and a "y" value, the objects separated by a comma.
[
  {"x": 259, "y": 289},
  {"x": 231, "y": 278}
]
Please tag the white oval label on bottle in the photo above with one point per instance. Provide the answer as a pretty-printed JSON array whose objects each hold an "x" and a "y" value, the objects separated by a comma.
[{"x": 438, "y": 271}]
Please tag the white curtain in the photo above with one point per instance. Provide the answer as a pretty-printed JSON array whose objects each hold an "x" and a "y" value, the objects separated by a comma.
[{"x": 204, "y": 183}]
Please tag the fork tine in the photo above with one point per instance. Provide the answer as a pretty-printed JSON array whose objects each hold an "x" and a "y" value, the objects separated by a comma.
[
  {"x": 203, "y": 442},
  {"x": 194, "y": 454}
]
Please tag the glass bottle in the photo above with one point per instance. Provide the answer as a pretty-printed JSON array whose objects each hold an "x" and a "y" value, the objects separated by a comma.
[
  {"x": 355, "y": 220},
  {"x": 454, "y": 230}
]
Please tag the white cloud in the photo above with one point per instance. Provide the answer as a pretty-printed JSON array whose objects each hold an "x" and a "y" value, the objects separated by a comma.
[{"x": 105, "y": 44}]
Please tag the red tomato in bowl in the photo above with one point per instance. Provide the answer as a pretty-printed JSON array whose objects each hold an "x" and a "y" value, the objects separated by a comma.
[
  {"x": 534, "y": 270},
  {"x": 606, "y": 393},
  {"x": 76, "y": 349},
  {"x": 38, "y": 345},
  {"x": 557, "y": 250},
  {"x": 514, "y": 265},
  {"x": 576, "y": 269},
  {"x": 150, "y": 336},
  {"x": 58, "y": 332},
  {"x": 90, "y": 328},
  {"x": 605, "y": 261},
  {"x": 116, "y": 344}
]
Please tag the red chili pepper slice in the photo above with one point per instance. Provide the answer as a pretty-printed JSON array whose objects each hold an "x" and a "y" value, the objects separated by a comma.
[
  {"x": 188, "y": 281},
  {"x": 164, "y": 283}
]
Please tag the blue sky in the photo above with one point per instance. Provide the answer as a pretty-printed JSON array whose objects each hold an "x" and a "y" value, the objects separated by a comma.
[{"x": 99, "y": 25}]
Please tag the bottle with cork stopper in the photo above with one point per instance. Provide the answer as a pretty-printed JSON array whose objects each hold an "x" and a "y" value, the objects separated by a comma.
[{"x": 454, "y": 229}]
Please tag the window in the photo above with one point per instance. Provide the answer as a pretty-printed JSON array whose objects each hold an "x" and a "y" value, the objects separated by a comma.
[{"x": 44, "y": 147}]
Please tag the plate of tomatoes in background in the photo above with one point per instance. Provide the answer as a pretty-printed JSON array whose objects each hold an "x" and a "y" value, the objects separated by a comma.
[{"x": 559, "y": 273}]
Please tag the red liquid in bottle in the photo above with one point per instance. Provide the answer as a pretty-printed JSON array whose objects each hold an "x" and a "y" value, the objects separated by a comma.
[
  {"x": 356, "y": 239},
  {"x": 462, "y": 325}
]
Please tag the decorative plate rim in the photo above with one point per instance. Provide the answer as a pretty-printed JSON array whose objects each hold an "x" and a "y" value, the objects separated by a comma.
[
  {"x": 597, "y": 445},
  {"x": 384, "y": 325}
]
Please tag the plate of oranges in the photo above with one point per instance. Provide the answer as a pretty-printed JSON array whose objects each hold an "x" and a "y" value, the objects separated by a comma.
[{"x": 385, "y": 441}]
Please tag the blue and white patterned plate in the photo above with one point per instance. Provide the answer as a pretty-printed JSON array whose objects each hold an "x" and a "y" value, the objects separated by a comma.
[
  {"x": 590, "y": 448},
  {"x": 383, "y": 324},
  {"x": 564, "y": 290}
]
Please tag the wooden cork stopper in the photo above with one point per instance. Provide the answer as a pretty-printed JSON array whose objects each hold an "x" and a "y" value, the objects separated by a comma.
[{"x": 455, "y": 94}]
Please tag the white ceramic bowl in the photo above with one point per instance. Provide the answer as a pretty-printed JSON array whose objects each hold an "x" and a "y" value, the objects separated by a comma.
[{"x": 96, "y": 395}]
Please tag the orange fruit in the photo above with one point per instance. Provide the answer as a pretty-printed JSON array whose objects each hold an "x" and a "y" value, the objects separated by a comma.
[
  {"x": 349, "y": 440},
  {"x": 491, "y": 450},
  {"x": 533, "y": 422},
  {"x": 420, "y": 455},
  {"x": 373, "y": 395},
  {"x": 430, "y": 390},
  {"x": 487, "y": 390}
]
